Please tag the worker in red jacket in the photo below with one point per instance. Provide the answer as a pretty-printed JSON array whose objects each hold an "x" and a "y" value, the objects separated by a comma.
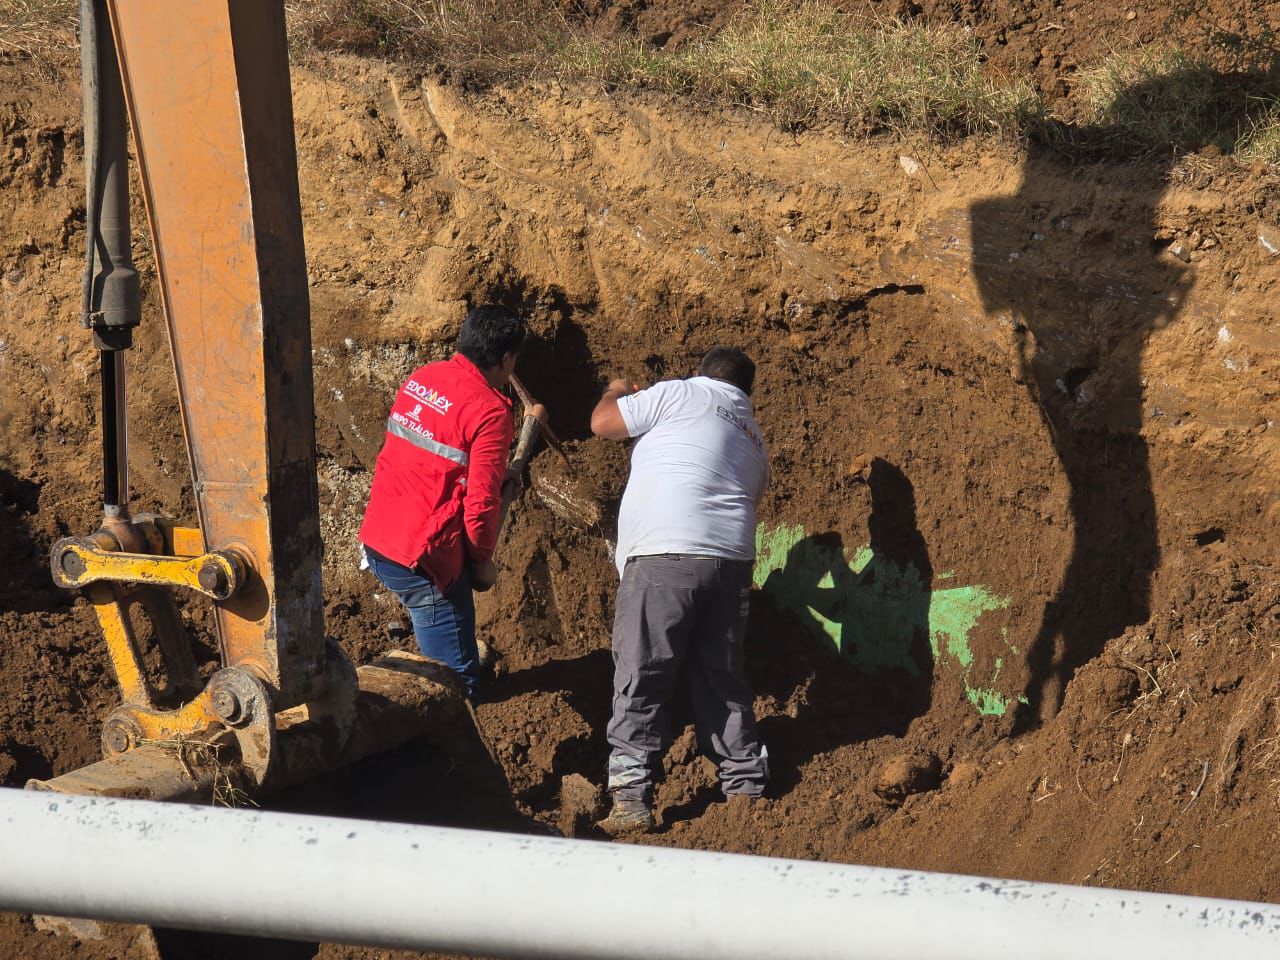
[{"x": 431, "y": 526}]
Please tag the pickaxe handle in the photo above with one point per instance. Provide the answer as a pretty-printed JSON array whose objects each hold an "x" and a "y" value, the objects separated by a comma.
[
  {"x": 535, "y": 422},
  {"x": 535, "y": 419},
  {"x": 526, "y": 399}
]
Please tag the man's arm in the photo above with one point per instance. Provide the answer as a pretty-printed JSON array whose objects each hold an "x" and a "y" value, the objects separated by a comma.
[
  {"x": 482, "y": 503},
  {"x": 606, "y": 418}
]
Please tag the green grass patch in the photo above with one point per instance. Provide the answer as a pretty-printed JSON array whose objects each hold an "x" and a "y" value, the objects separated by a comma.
[{"x": 806, "y": 62}]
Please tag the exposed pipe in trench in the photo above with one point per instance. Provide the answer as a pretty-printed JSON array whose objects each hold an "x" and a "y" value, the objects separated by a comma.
[{"x": 493, "y": 894}]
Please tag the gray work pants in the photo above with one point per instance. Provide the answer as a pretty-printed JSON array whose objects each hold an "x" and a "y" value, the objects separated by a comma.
[{"x": 671, "y": 608}]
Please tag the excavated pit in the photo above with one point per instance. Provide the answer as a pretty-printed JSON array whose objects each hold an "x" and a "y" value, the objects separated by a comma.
[{"x": 1016, "y": 609}]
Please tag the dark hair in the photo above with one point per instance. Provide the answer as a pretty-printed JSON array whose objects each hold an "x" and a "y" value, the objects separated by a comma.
[
  {"x": 488, "y": 334},
  {"x": 730, "y": 364}
]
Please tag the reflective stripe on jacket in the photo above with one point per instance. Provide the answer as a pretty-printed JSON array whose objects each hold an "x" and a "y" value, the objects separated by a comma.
[{"x": 437, "y": 484}]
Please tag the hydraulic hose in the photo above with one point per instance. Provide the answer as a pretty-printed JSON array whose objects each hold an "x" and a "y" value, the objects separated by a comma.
[
  {"x": 89, "y": 78},
  {"x": 110, "y": 295}
]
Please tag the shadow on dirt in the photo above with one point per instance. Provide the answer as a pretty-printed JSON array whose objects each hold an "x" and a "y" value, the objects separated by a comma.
[
  {"x": 704, "y": 797},
  {"x": 27, "y": 586},
  {"x": 26, "y": 763},
  {"x": 1084, "y": 276},
  {"x": 843, "y": 641},
  {"x": 418, "y": 783},
  {"x": 585, "y": 681},
  {"x": 189, "y": 945},
  {"x": 556, "y": 362}
]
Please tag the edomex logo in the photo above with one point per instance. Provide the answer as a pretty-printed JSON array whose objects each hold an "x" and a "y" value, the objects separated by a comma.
[{"x": 432, "y": 398}]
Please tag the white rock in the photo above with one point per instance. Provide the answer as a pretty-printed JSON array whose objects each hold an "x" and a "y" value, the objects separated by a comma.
[{"x": 911, "y": 166}]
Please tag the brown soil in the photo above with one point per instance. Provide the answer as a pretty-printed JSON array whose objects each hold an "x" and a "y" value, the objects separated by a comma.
[{"x": 1007, "y": 374}]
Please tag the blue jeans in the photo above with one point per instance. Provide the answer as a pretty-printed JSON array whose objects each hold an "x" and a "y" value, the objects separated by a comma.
[{"x": 444, "y": 624}]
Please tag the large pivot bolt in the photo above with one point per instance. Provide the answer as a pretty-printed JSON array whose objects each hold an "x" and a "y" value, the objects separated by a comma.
[
  {"x": 227, "y": 706},
  {"x": 233, "y": 698},
  {"x": 119, "y": 735},
  {"x": 73, "y": 565},
  {"x": 214, "y": 580},
  {"x": 242, "y": 701},
  {"x": 66, "y": 564}
]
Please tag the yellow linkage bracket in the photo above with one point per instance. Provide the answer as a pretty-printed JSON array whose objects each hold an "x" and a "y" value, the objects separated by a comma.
[
  {"x": 79, "y": 562},
  {"x": 234, "y": 701}
]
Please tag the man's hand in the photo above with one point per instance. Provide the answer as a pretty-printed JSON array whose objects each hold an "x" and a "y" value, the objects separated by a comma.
[
  {"x": 606, "y": 418},
  {"x": 512, "y": 483},
  {"x": 484, "y": 576}
]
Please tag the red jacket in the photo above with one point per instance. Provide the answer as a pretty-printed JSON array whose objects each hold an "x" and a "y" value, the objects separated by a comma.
[{"x": 437, "y": 485}]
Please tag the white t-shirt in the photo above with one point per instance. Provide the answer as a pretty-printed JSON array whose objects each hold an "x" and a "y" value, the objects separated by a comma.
[{"x": 696, "y": 473}]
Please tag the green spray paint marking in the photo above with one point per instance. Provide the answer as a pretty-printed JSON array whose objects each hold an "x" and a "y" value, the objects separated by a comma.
[{"x": 877, "y": 614}]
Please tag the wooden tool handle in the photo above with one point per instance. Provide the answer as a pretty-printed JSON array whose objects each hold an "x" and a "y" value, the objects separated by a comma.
[
  {"x": 548, "y": 434},
  {"x": 529, "y": 429}
]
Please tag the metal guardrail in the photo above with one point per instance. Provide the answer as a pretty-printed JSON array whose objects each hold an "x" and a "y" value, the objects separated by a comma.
[{"x": 430, "y": 888}]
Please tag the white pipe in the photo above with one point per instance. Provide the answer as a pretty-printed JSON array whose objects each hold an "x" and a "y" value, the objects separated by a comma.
[{"x": 322, "y": 878}]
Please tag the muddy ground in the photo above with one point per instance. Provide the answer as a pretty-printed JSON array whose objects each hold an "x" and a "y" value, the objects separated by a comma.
[{"x": 1018, "y": 607}]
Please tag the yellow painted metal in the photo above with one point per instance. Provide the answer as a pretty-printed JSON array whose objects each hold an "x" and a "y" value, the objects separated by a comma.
[
  {"x": 143, "y": 568},
  {"x": 155, "y": 571},
  {"x": 191, "y": 719},
  {"x": 112, "y": 603},
  {"x": 113, "y": 619}
]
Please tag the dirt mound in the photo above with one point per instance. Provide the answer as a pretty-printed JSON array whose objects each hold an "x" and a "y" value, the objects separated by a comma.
[{"x": 1016, "y": 606}]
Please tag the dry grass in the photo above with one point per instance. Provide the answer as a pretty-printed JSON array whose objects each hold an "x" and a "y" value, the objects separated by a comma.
[
  {"x": 1151, "y": 96},
  {"x": 37, "y": 30},
  {"x": 805, "y": 62},
  {"x": 197, "y": 756},
  {"x": 486, "y": 39},
  {"x": 1163, "y": 99},
  {"x": 1261, "y": 142},
  {"x": 798, "y": 61}
]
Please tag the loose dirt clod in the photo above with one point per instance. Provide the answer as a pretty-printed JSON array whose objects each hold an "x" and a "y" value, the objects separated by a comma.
[
  {"x": 901, "y": 776},
  {"x": 563, "y": 493},
  {"x": 581, "y": 805}
]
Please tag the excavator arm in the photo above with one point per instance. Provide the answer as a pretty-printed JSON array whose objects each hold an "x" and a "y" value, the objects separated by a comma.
[
  {"x": 204, "y": 86},
  {"x": 208, "y": 96}
]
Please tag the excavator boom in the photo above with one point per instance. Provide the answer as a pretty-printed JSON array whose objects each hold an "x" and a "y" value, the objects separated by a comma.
[{"x": 206, "y": 88}]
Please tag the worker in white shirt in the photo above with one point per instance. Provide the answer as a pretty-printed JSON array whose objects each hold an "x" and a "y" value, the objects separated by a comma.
[{"x": 686, "y": 546}]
